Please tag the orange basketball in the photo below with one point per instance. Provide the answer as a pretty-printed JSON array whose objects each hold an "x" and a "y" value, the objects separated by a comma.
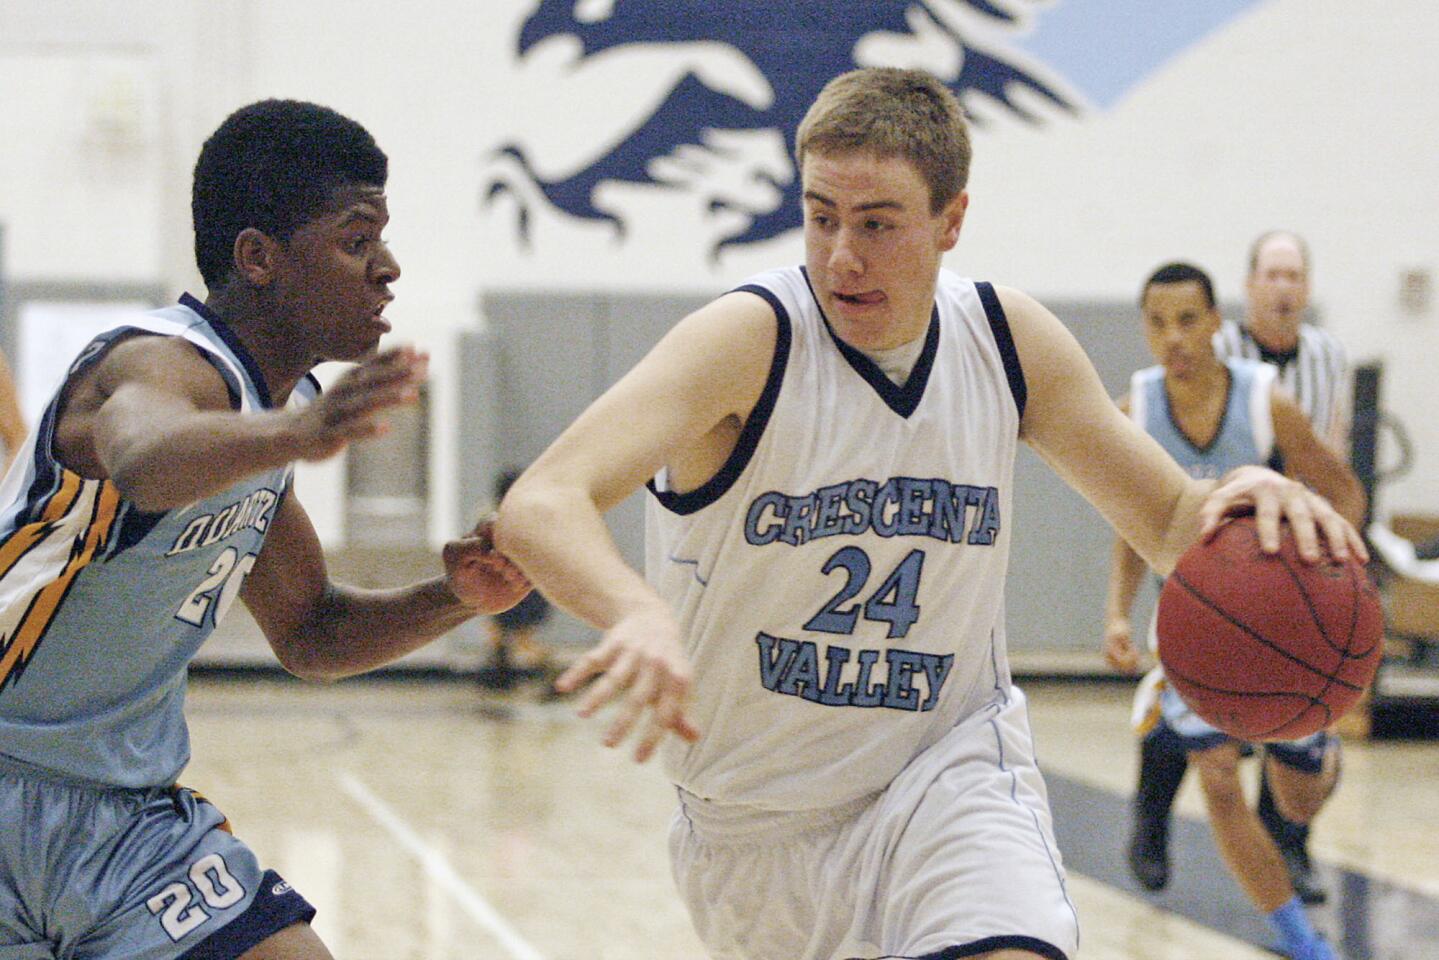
[{"x": 1266, "y": 646}]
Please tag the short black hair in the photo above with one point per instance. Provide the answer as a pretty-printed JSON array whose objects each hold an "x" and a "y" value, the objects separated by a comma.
[
  {"x": 1181, "y": 273},
  {"x": 274, "y": 165}
]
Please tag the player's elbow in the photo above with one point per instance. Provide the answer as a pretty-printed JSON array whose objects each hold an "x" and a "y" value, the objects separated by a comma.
[
  {"x": 145, "y": 474},
  {"x": 528, "y": 509},
  {"x": 143, "y": 487},
  {"x": 312, "y": 648},
  {"x": 303, "y": 661}
]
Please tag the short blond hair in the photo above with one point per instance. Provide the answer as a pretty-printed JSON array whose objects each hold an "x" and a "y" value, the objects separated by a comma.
[{"x": 892, "y": 113}]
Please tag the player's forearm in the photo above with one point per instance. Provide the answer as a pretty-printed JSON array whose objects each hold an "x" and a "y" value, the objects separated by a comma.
[
  {"x": 1126, "y": 571},
  {"x": 199, "y": 455},
  {"x": 353, "y": 630},
  {"x": 559, "y": 539}
]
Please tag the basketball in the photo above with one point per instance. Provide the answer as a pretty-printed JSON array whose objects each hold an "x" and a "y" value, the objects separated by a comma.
[{"x": 1266, "y": 646}]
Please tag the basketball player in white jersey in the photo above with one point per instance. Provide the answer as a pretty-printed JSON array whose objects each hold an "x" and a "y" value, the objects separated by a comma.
[
  {"x": 1314, "y": 370},
  {"x": 1212, "y": 415},
  {"x": 830, "y": 450}
]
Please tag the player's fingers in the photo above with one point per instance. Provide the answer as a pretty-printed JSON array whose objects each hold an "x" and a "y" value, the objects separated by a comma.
[
  {"x": 632, "y": 707},
  {"x": 1300, "y": 514},
  {"x": 649, "y": 741},
  {"x": 587, "y": 665},
  {"x": 1211, "y": 515},
  {"x": 619, "y": 676},
  {"x": 686, "y": 728},
  {"x": 671, "y": 705},
  {"x": 392, "y": 366},
  {"x": 1357, "y": 545},
  {"x": 1342, "y": 539},
  {"x": 1267, "y": 515}
]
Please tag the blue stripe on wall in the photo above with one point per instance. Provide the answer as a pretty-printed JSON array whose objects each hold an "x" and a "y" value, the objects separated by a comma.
[{"x": 1106, "y": 47}]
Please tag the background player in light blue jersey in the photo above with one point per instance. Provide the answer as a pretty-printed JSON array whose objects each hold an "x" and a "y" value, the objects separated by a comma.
[
  {"x": 154, "y": 492},
  {"x": 1213, "y": 415}
]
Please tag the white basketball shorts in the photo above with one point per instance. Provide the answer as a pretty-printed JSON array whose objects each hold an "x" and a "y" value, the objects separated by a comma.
[{"x": 955, "y": 858}]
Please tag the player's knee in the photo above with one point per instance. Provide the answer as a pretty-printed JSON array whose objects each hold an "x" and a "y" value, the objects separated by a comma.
[
  {"x": 1301, "y": 804},
  {"x": 1223, "y": 795},
  {"x": 1219, "y": 778}
]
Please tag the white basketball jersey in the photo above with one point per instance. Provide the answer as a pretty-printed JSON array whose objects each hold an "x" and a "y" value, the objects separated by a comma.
[{"x": 840, "y": 581}]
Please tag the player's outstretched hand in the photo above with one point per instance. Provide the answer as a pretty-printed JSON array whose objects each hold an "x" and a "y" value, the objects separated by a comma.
[
  {"x": 639, "y": 666},
  {"x": 350, "y": 409},
  {"x": 1272, "y": 499},
  {"x": 479, "y": 575}
]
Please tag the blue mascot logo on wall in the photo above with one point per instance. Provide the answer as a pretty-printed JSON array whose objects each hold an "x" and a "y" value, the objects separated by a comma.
[{"x": 704, "y": 95}]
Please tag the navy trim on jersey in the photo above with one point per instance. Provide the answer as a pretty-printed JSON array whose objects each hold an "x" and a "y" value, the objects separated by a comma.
[
  {"x": 739, "y": 458},
  {"x": 232, "y": 386},
  {"x": 276, "y": 906},
  {"x": 1004, "y": 340},
  {"x": 47, "y": 469},
  {"x": 131, "y": 526},
  {"x": 236, "y": 347},
  {"x": 902, "y": 400},
  {"x": 1223, "y": 416},
  {"x": 990, "y": 944}
]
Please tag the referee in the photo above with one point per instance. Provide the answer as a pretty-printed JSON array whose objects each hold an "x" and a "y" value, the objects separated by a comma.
[{"x": 1314, "y": 369}]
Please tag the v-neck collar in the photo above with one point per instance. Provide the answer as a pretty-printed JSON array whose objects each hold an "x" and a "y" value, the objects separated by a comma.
[
  {"x": 1223, "y": 415},
  {"x": 236, "y": 347},
  {"x": 903, "y": 400}
]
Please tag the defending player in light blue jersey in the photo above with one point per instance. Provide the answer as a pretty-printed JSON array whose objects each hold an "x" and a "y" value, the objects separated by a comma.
[
  {"x": 1212, "y": 416},
  {"x": 830, "y": 448},
  {"x": 156, "y": 491}
]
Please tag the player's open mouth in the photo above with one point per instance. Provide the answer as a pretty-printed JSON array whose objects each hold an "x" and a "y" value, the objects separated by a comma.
[
  {"x": 868, "y": 299},
  {"x": 378, "y": 315}
]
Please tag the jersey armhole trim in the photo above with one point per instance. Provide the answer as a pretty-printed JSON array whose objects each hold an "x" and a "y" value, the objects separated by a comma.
[
  {"x": 1004, "y": 340},
  {"x": 739, "y": 458}
]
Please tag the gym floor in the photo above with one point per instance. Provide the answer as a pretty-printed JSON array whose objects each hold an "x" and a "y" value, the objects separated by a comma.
[{"x": 433, "y": 819}]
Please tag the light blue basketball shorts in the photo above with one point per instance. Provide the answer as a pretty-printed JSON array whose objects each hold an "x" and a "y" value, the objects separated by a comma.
[
  {"x": 89, "y": 872},
  {"x": 1305, "y": 754}
]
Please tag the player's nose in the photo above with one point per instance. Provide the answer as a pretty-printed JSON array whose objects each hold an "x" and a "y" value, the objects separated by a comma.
[
  {"x": 843, "y": 258},
  {"x": 385, "y": 268}
]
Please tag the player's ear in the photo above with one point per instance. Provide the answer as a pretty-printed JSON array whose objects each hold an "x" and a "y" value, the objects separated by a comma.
[
  {"x": 952, "y": 219},
  {"x": 254, "y": 256}
]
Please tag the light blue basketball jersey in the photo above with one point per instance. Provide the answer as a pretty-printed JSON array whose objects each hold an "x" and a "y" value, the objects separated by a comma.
[
  {"x": 102, "y": 605},
  {"x": 1245, "y": 436},
  {"x": 1246, "y": 428}
]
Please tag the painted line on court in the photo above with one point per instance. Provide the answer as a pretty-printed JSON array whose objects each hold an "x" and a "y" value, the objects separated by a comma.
[{"x": 438, "y": 866}]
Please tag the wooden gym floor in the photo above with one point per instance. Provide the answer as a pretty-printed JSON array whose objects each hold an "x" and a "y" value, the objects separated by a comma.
[{"x": 437, "y": 820}]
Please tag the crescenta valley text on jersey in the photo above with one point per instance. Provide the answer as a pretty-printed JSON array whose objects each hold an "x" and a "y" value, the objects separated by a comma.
[{"x": 840, "y": 581}]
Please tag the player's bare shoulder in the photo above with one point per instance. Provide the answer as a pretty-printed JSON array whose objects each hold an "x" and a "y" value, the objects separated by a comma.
[
  {"x": 731, "y": 341},
  {"x": 161, "y": 365},
  {"x": 726, "y": 349}
]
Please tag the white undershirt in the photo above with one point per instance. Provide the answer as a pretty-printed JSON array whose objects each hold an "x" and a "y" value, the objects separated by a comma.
[{"x": 897, "y": 362}]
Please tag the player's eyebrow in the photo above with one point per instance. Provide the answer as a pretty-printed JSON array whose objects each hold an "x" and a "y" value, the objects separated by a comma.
[
  {"x": 369, "y": 215},
  {"x": 863, "y": 207}
]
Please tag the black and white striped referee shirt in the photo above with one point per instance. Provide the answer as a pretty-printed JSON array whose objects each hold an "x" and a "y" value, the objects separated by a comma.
[{"x": 1315, "y": 373}]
